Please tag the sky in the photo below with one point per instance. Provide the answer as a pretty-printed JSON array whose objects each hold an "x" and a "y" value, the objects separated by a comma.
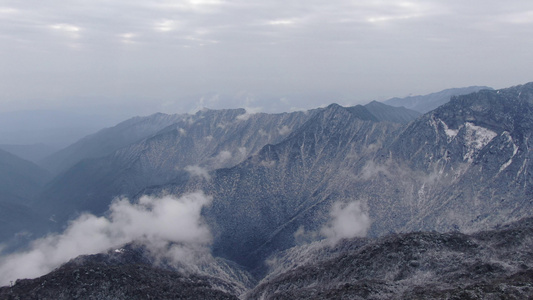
[{"x": 139, "y": 57}]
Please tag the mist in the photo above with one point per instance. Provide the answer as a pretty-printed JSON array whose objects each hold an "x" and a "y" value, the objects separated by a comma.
[
  {"x": 347, "y": 220},
  {"x": 168, "y": 226}
]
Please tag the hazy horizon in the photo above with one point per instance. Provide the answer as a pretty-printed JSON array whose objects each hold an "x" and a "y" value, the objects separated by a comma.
[{"x": 139, "y": 57}]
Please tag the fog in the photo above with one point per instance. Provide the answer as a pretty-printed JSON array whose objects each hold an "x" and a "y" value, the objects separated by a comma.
[{"x": 169, "y": 227}]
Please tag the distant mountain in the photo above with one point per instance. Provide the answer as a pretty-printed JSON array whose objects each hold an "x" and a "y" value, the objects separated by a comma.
[
  {"x": 56, "y": 129},
  {"x": 384, "y": 112},
  {"x": 20, "y": 180},
  {"x": 429, "y": 102},
  {"x": 190, "y": 147},
  {"x": 462, "y": 167},
  {"x": 259, "y": 204},
  {"x": 271, "y": 175},
  {"x": 107, "y": 140},
  {"x": 494, "y": 264},
  {"x": 33, "y": 153},
  {"x": 19, "y": 224}
]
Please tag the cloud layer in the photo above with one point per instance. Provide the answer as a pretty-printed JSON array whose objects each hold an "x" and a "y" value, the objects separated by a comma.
[
  {"x": 163, "y": 52},
  {"x": 158, "y": 223}
]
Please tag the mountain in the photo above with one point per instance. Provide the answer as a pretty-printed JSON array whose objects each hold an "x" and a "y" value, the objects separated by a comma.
[
  {"x": 495, "y": 264},
  {"x": 33, "y": 153},
  {"x": 190, "y": 147},
  {"x": 55, "y": 129},
  {"x": 124, "y": 273},
  {"x": 387, "y": 113},
  {"x": 20, "y": 180},
  {"x": 20, "y": 224},
  {"x": 464, "y": 166},
  {"x": 108, "y": 140},
  {"x": 429, "y": 102},
  {"x": 473, "y": 154},
  {"x": 289, "y": 194},
  {"x": 260, "y": 203}
]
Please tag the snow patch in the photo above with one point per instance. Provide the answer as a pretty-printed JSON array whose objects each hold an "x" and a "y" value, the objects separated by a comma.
[
  {"x": 476, "y": 137},
  {"x": 515, "y": 150},
  {"x": 450, "y": 133}
]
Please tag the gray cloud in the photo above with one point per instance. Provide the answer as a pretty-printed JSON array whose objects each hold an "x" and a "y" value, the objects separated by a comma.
[
  {"x": 157, "y": 223},
  {"x": 148, "y": 55}
]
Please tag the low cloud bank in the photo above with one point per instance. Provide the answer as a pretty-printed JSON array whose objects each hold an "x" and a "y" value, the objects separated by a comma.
[
  {"x": 348, "y": 220},
  {"x": 162, "y": 224}
]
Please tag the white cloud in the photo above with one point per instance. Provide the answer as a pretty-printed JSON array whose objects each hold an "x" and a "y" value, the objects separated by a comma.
[
  {"x": 165, "y": 25},
  {"x": 282, "y": 22},
  {"x": 65, "y": 27},
  {"x": 348, "y": 220},
  {"x": 249, "y": 112},
  {"x": 68, "y": 30},
  {"x": 222, "y": 157},
  {"x": 198, "y": 171},
  {"x": 154, "y": 222}
]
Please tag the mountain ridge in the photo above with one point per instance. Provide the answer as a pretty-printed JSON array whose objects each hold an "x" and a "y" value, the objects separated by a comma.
[{"x": 426, "y": 103}]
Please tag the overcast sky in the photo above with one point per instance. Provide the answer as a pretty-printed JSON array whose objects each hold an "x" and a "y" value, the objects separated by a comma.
[{"x": 146, "y": 56}]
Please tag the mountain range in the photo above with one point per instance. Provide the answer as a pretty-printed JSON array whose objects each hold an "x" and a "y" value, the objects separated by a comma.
[
  {"x": 426, "y": 103},
  {"x": 369, "y": 201}
]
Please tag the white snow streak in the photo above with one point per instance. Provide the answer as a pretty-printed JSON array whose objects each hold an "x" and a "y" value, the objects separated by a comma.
[{"x": 476, "y": 137}]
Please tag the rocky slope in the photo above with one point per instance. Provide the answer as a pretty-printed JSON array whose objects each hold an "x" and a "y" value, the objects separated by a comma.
[
  {"x": 108, "y": 140},
  {"x": 495, "y": 264},
  {"x": 280, "y": 181},
  {"x": 260, "y": 203},
  {"x": 189, "y": 148},
  {"x": 121, "y": 274},
  {"x": 463, "y": 166}
]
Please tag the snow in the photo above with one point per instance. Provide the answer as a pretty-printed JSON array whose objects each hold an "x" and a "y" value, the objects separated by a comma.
[
  {"x": 515, "y": 150},
  {"x": 450, "y": 133},
  {"x": 476, "y": 137}
]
